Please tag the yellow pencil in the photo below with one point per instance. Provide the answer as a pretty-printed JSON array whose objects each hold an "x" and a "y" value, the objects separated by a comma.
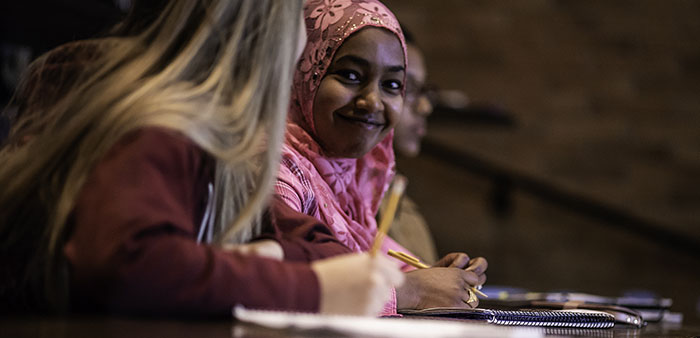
[
  {"x": 416, "y": 263},
  {"x": 408, "y": 259},
  {"x": 395, "y": 195}
]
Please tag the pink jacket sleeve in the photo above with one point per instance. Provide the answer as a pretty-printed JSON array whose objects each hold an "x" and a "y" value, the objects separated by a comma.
[{"x": 390, "y": 308}]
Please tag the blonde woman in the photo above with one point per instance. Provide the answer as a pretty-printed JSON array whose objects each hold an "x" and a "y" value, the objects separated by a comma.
[{"x": 120, "y": 196}]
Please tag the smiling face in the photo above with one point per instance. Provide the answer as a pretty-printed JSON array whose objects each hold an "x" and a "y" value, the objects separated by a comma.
[{"x": 359, "y": 100}]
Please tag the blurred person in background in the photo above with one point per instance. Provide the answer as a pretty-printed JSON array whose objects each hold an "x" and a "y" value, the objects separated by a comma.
[{"x": 410, "y": 228}]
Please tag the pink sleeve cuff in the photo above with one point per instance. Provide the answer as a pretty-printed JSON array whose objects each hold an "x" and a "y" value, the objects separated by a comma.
[{"x": 390, "y": 306}]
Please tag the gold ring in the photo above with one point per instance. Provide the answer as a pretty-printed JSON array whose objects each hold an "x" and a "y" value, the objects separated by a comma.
[{"x": 472, "y": 296}]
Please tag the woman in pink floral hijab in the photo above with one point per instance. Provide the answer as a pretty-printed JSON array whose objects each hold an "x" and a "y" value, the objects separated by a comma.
[
  {"x": 338, "y": 161},
  {"x": 344, "y": 192}
]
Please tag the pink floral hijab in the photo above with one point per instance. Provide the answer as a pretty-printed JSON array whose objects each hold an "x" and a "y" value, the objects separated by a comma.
[{"x": 344, "y": 193}]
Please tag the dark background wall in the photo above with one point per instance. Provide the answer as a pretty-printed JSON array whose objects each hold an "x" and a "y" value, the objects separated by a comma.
[
  {"x": 596, "y": 187},
  {"x": 29, "y": 28}
]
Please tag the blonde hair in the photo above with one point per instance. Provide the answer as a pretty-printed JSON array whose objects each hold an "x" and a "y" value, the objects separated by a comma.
[{"x": 217, "y": 71}]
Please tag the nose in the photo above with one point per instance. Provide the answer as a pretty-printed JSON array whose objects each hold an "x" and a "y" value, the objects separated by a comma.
[{"x": 369, "y": 100}]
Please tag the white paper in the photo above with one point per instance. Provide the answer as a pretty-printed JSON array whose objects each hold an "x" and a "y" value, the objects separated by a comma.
[{"x": 379, "y": 327}]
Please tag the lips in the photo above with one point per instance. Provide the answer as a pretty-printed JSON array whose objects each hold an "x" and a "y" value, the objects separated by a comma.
[{"x": 363, "y": 120}]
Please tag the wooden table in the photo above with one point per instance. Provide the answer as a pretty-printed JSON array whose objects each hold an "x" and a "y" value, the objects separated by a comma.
[{"x": 106, "y": 327}]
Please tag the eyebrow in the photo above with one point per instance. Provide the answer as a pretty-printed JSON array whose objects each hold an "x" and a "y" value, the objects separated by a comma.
[{"x": 364, "y": 63}]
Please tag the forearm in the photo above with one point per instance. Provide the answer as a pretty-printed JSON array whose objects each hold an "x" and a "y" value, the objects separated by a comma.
[
  {"x": 302, "y": 237},
  {"x": 175, "y": 276}
]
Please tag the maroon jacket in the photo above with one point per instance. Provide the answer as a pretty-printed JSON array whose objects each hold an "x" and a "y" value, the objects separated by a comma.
[{"x": 133, "y": 246}]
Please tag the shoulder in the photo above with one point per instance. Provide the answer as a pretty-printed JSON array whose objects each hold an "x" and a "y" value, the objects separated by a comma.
[
  {"x": 157, "y": 150},
  {"x": 166, "y": 137},
  {"x": 156, "y": 141},
  {"x": 154, "y": 173},
  {"x": 49, "y": 76}
]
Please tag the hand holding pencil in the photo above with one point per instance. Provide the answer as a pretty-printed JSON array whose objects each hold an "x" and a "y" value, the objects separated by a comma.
[
  {"x": 415, "y": 262},
  {"x": 461, "y": 260},
  {"x": 360, "y": 283},
  {"x": 439, "y": 286},
  {"x": 355, "y": 284}
]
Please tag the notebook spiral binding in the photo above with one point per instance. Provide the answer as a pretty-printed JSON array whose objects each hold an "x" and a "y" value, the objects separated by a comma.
[
  {"x": 552, "y": 319},
  {"x": 578, "y": 332}
]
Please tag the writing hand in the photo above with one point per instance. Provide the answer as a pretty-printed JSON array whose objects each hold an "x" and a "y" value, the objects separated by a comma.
[
  {"x": 461, "y": 260},
  {"x": 437, "y": 287},
  {"x": 478, "y": 265},
  {"x": 356, "y": 284},
  {"x": 458, "y": 260}
]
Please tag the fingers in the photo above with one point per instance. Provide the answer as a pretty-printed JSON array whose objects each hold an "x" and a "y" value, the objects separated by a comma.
[
  {"x": 453, "y": 260},
  {"x": 356, "y": 284},
  {"x": 482, "y": 279},
  {"x": 386, "y": 275},
  {"x": 389, "y": 270},
  {"x": 379, "y": 293},
  {"x": 472, "y": 301},
  {"x": 467, "y": 299},
  {"x": 478, "y": 265},
  {"x": 473, "y": 279},
  {"x": 470, "y": 278},
  {"x": 460, "y": 260}
]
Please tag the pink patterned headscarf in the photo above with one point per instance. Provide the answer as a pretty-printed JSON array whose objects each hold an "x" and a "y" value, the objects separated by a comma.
[{"x": 344, "y": 193}]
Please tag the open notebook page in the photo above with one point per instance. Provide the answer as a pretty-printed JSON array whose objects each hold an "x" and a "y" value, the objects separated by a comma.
[{"x": 378, "y": 327}]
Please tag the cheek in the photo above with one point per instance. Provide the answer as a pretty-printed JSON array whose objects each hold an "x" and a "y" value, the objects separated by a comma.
[
  {"x": 330, "y": 97},
  {"x": 324, "y": 105},
  {"x": 394, "y": 109}
]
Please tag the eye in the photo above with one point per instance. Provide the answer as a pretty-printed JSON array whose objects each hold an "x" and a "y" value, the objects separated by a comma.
[
  {"x": 348, "y": 75},
  {"x": 393, "y": 85}
]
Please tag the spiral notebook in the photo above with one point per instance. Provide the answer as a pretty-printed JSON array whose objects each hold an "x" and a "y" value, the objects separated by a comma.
[
  {"x": 632, "y": 308},
  {"x": 588, "y": 319}
]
